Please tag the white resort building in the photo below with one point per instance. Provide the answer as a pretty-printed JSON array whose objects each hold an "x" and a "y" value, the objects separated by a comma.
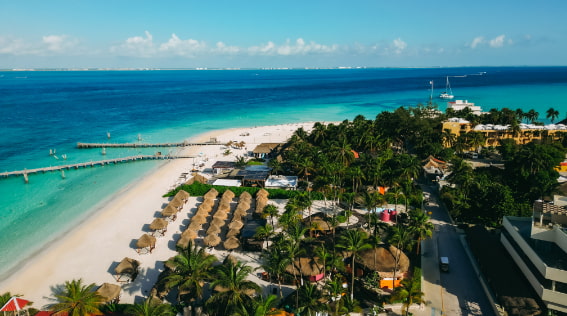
[
  {"x": 459, "y": 105},
  {"x": 538, "y": 245}
]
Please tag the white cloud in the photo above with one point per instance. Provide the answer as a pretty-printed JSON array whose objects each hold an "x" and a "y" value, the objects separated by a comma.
[
  {"x": 399, "y": 45},
  {"x": 299, "y": 47},
  {"x": 179, "y": 47},
  {"x": 477, "y": 41},
  {"x": 497, "y": 42},
  {"x": 136, "y": 46},
  {"x": 49, "y": 45},
  {"x": 12, "y": 46},
  {"x": 222, "y": 48},
  {"x": 266, "y": 49}
]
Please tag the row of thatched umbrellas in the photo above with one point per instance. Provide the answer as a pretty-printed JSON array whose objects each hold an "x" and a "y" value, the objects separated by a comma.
[{"x": 159, "y": 225}]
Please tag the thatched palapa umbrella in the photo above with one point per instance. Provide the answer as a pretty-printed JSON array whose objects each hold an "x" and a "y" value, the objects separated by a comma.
[
  {"x": 213, "y": 229},
  {"x": 110, "y": 292},
  {"x": 220, "y": 215},
  {"x": 231, "y": 243},
  {"x": 126, "y": 270},
  {"x": 146, "y": 242},
  {"x": 212, "y": 194},
  {"x": 245, "y": 195},
  {"x": 182, "y": 195},
  {"x": 189, "y": 233},
  {"x": 232, "y": 233},
  {"x": 169, "y": 212},
  {"x": 240, "y": 213},
  {"x": 200, "y": 178},
  {"x": 235, "y": 225},
  {"x": 194, "y": 226},
  {"x": 218, "y": 222},
  {"x": 199, "y": 218},
  {"x": 262, "y": 192},
  {"x": 223, "y": 207},
  {"x": 159, "y": 226},
  {"x": 212, "y": 240},
  {"x": 228, "y": 195},
  {"x": 177, "y": 203}
]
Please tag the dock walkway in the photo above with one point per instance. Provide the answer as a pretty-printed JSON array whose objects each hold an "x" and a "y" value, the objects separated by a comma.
[
  {"x": 26, "y": 172},
  {"x": 141, "y": 145}
]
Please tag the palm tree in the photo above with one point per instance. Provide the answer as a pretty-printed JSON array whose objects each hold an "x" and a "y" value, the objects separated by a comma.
[
  {"x": 275, "y": 262},
  {"x": 532, "y": 116},
  {"x": 263, "y": 306},
  {"x": 309, "y": 301},
  {"x": 409, "y": 291},
  {"x": 150, "y": 307},
  {"x": 270, "y": 210},
  {"x": 264, "y": 232},
  {"x": 400, "y": 236},
  {"x": 552, "y": 114},
  {"x": 190, "y": 267},
  {"x": 353, "y": 241},
  {"x": 334, "y": 290},
  {"x": 78, "y": 299},
  {"x": 449, "y": 138},
  {"x": 235, "y": 292},
  {"x": 420, "y": 224},
  {"x": 323, "y": 255}
]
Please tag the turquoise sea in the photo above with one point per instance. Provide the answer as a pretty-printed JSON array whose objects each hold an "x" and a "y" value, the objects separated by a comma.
[{"x": 43, "y": 110}]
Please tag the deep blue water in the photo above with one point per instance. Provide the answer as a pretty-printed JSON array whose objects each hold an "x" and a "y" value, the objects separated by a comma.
[{"x": 41, "y": 110}]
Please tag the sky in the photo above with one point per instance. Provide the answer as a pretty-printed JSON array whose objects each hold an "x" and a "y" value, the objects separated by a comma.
[{"x": 281, "y": 34}]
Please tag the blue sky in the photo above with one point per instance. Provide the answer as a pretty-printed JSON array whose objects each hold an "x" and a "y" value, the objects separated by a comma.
[{"x": 270, "y": 33}]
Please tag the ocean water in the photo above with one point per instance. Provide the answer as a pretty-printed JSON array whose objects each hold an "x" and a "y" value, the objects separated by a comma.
[{"x": 43, "y": 110}]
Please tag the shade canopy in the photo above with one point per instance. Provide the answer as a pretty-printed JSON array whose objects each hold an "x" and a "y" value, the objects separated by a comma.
[
  {"x": 262, "y": 192},
  {"x": 199, "y": 218},
  {"x": 194, "y": 226},
  {"x": 158, "y": 223},
  {"x": 233, "y": 233},
  {"x": 127, "y": 266},
  {"x": 228, "y": 195},
  {"x": 169, "y": 211},
  {"x": 235, "y": 225},
  {"x": 109, "y": 291},
  {"x": 189, "y": 233},
  {"x": 146, "y": 241},
  {"x": 177, "y": 203},
  {"x": 212, "y": 194},
  {"x": 220, "y": 215},
  {"x": 245, "y": 195},
  {"x": 212, "y": 240},
  {"x": 231, "y": 243},
  {"x": 14, "y": 304},
  {"x": 182, "y": 194},
  {"x": 213, "y": 229},
  {"x": 218, "y": 222}
]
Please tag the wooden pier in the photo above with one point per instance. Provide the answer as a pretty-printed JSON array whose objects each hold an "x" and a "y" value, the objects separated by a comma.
[
  {"x": 27, "y": 172},
  {"x": 141, "y": 145}
]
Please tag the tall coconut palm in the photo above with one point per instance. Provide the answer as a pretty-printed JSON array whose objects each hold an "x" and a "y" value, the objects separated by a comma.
[
  {"x": 275, "y": 262},
  {"x": 262, "y": 306},
  {"x": 236, "y": 292},
  {"x": 190, "y": 268},
  {"x": 400, "y": 236},
  {"x": 150, "y": 307},
  {"x": 270, "y": 211},
  {"x": 77, "y": 299},
  {"x": 422, "y": 227},
  {"x": 353, "y": 241},
  {"x": 334, "y": 290},
  {"x": 552, "y": 114},
  {"x": 264, "y": 232}
]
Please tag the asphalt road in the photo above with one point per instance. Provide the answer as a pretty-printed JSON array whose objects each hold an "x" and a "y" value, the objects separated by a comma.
[{"x": 457, "y": 292}]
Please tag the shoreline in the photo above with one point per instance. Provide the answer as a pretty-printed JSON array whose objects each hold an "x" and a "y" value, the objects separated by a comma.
[{"x": 107, "y": 233}]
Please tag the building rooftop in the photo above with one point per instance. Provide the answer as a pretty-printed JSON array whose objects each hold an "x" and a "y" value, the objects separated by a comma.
[{"x": 549, "y": 252}]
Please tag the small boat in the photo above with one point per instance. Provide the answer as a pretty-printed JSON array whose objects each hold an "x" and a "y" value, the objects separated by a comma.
[
  {"x": 108, "y": 135},
  {"x": 448, "y": 93},
  {"x": 64, "y": 156},
  {"x": 103, "y": 152}
]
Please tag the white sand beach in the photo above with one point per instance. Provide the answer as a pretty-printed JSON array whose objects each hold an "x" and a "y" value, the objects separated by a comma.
[{"x": 93, "y": 248}]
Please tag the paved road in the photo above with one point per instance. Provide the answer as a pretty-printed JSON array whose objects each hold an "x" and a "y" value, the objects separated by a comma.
[{"x": 457, "y": 292}]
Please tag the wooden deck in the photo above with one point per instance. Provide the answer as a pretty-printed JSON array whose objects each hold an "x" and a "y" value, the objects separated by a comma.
[{"x": 26, "y": 172}]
